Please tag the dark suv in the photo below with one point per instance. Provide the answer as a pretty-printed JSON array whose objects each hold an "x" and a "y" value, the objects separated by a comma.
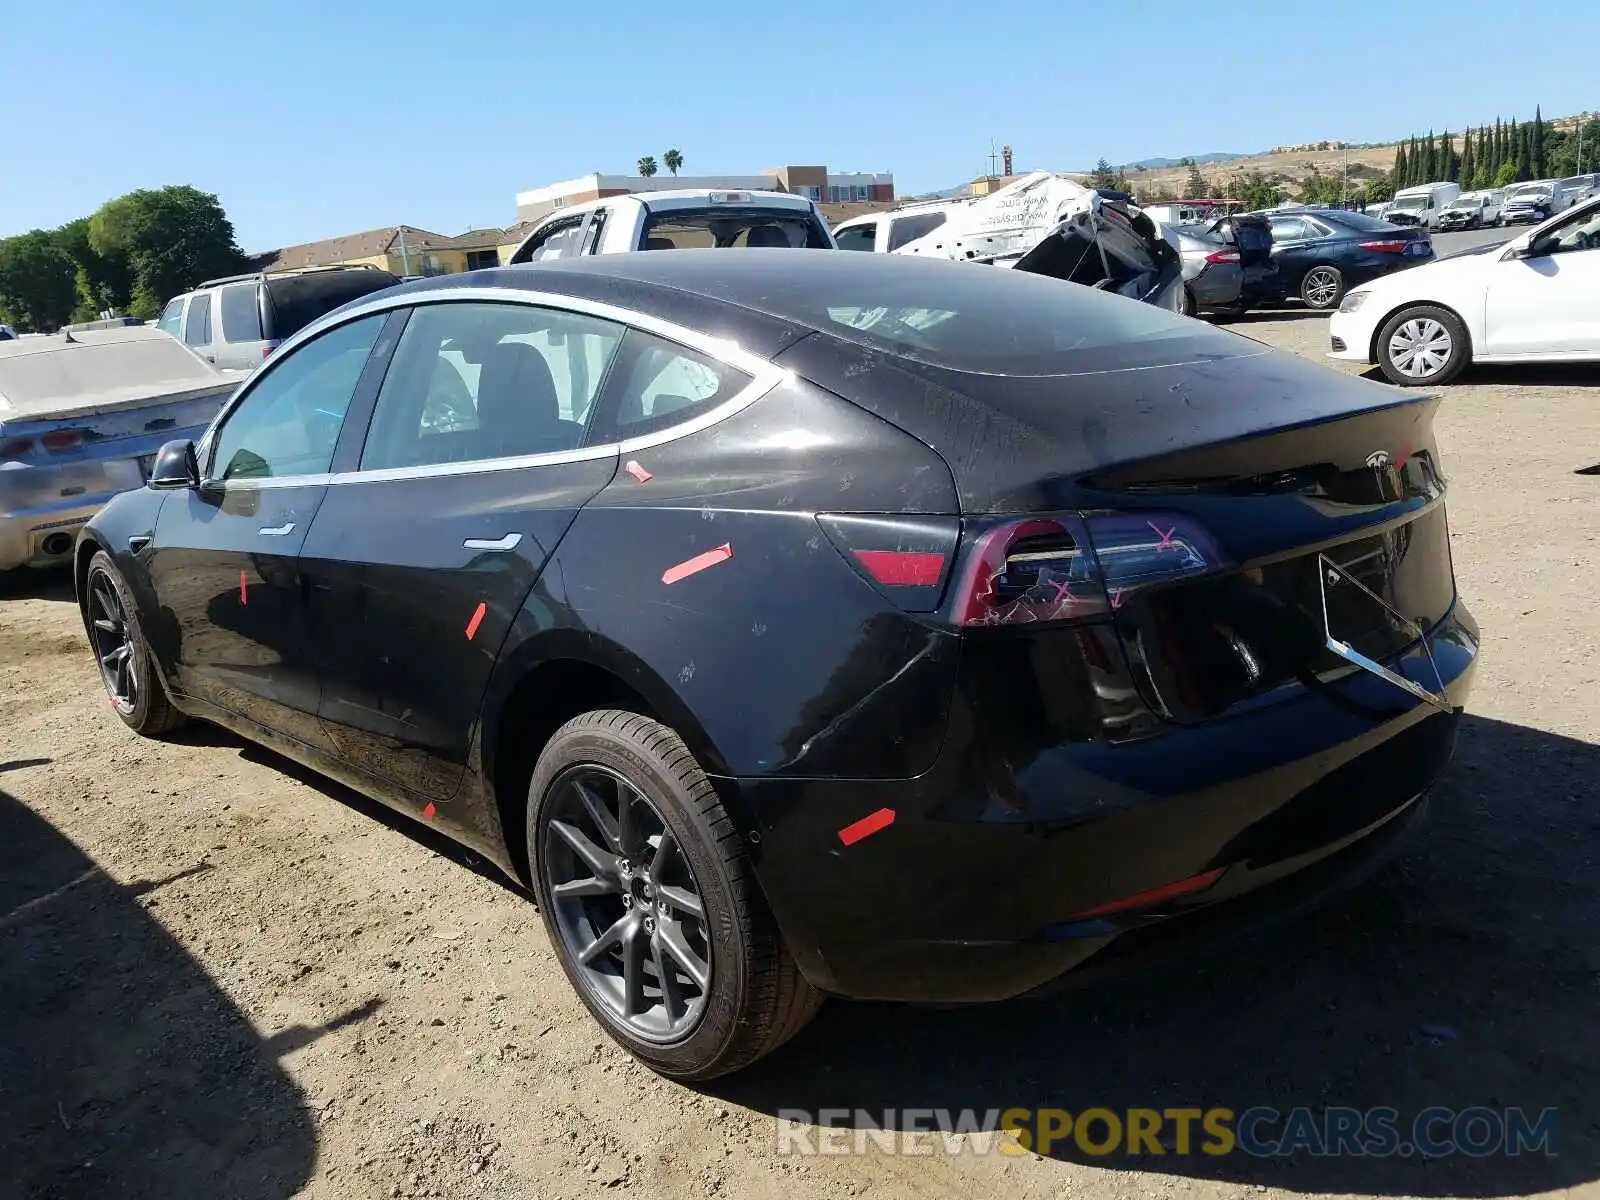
[{"x": 237, "y": 321}]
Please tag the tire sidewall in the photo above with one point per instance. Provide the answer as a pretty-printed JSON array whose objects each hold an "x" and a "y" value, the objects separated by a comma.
[
  {"x": 1459, "y": 350},
  {"x": 139, "y": 715},
  {"x": 730, "y": 952}
]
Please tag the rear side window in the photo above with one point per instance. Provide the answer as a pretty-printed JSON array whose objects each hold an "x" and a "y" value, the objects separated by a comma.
[
  {"x": 858, "y": 237},
  {"x": 172, "y": 317},
  {"x": 909, "y": 229},
  {"x": 482, "y": 381},
  {"x": 659, "y": 384},
  {"x": 559, "y": 240},
  {"x": 197, "y": 327},
  {"x": 241, "y": 313},
  {"x": 725, "y": 227},
  {"x": 294, "y": 301}
]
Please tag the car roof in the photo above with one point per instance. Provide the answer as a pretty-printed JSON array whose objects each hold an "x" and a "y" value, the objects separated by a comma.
[{"x": 680, "y": 197}]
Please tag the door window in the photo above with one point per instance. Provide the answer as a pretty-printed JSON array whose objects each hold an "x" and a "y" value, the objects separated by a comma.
[
  {"x": 559, "y": 240},
  {"x": 660, "y": 384},
  {"x": 1289, "y": 229},
  {"x": 481, "y": 381},
  {"x": 1581, "y": 234},
  {"x": 172, "y": 317},
  {"x": 909, "y": 229},
  {"x": 197, "y": 328},
  {"x": 858, "y": 237},
  {"x": 288, "y": 424},
  {"x": 241, "y": 313}
]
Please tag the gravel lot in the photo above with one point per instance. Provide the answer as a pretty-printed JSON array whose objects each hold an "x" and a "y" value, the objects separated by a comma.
[{"x": 225, "y": 977}]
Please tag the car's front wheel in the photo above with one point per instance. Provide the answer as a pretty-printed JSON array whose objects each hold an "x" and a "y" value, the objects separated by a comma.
[
  {"x": 1322, "y": 288},
  {"x": 1423, "y": 345},
  {"x": 126, "y": 668},
  {"x": 651, "y": 904}
]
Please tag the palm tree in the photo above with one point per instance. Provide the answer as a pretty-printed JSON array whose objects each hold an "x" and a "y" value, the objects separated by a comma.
[
  {"x": 672, "y": 160},
  {"x": 647, "y": 166}
]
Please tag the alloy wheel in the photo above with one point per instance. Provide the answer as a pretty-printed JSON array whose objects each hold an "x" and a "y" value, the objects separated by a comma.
[
  {"x": 113, "y": 642},
  {"x": 625, "y": 904},
  {"x": 1420, "y": 347},
  {"x": 1321, "y": 288}
]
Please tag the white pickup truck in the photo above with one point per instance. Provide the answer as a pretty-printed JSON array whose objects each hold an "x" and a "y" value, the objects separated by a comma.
[
  {"x": 676, "y": 220},
  {"x": 1045, "y": 223}
]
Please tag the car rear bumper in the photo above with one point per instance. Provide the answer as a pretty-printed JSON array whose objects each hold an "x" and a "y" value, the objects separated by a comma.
[
  {"x": 42, "y": 508},
  {"x": 992, "y": 874}
]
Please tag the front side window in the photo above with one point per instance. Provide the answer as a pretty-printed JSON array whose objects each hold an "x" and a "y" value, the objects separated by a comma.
[
  {"x": 197, "y": 326},
  {"x": 288, "y": 424},
  {"x": 1580, "y": 234},
  {"x": 476, "y": 381},
  {"x": 172, "y": 317},
  {"x": 660, "y": 384},
  {"x": 241, "y": 313},
  {"x": 560, "y": 240},
  {"x": 858, "y": 237}
]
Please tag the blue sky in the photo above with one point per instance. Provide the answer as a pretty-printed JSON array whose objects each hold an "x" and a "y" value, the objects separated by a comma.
[{"x": 311, "y": 118}]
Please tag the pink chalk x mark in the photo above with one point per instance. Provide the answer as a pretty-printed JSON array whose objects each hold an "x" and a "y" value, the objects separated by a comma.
[
  {"x": 1117, "y": 597},
  {"x": 1166, "y": 542},
  {"x": 477, "y": 619},
  {"x": 693, "y": 566},
  {"x": 638, "y": 472},
  {"x": 429, "y": 811},
  {"x": 1403, "y": 457},
  {"x": 244, "y": 597},
  {"x": 1063, "y": 592},
  {"x": 868, "y": 825}
]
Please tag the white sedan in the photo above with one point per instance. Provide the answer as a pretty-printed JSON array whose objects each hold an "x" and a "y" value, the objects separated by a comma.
[{"x": 1533, "y": 299}]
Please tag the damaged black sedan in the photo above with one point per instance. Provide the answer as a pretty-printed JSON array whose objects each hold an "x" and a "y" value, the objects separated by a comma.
[{"x": 800, "y": 623}]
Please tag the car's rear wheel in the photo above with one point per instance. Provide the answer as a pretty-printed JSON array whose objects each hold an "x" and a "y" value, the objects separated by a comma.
[
  {"x": 1188, "y": 307},
  {"x": 1422, "y": 346},
  {"x": 651, "y": 903},
  {"x": 1322, "y": 287},
  {"x": 126, "y": 668}
]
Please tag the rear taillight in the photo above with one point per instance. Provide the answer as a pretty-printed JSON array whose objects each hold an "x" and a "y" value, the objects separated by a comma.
[
  {"x": 62, "y": 439},
  {"x": 906, "y": 558},
  {"x": 1070, "y": 568},
  {"x": 1223, "y": 256},
  {"x": 16, "y": 447},
  {"x": 1385, "y": 247}
]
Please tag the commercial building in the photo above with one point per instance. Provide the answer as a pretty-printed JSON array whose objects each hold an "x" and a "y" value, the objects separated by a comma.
[
  {"x": 403, "y": 250},
  {"x": 815, "y": 182}
]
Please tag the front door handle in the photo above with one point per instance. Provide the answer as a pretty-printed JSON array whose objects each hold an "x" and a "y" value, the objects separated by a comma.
[
  {"x": 278, "y": 531},
  {"x": 509, "y": 542}
]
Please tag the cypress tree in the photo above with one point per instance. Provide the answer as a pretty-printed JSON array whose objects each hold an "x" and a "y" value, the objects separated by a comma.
[
  {"x": 1539, "y": 157},
  {"x": 1447, "y": 157},
  {"x": 1498, "y": 154},
  {"x": 1430, "y": 160},
  {"x": 1401, "y": 166},
  {"x": 1524, "y": 141},
  {"x": 1468, "y": 167}
]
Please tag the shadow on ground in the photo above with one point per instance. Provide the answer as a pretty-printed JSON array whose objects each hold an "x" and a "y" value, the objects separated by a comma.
[
  {"x": 1466, "y": 973},
  {"x": 1294, "y": 312},
  {"x": 52, "y": 583},
  {"x": 124, "y": 1069}
]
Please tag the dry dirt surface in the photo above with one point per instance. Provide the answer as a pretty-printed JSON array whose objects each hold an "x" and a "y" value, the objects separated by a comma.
[{"x": 223, "y": 977}]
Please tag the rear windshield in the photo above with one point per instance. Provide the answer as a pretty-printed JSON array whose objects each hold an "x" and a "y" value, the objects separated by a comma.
[
  {"x": 966, "y": 317},
  {"x": 724, "y": 226},
  {"x": 298, "y": 300}
]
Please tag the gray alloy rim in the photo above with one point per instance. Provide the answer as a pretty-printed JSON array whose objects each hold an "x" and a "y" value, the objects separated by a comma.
[
  {"x": 1322, "y": 285},
  {"x": 1420, "y": 347},
  {"x": 113, "y": 642},
  {"x": 625, "y": 904}
]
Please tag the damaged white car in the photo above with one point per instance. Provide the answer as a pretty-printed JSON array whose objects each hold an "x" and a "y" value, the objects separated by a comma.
[{"x": 1044, "y": 223}]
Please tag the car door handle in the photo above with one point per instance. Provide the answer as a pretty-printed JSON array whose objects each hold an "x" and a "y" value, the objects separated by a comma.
[
  {"x": 509, "y": 542},
  {"x": 278, "y": 531}
]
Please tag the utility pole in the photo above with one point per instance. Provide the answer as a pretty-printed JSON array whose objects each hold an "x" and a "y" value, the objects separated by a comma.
[
  {"x": 993, "y": 157},
  {"x": 405, "y": 253}
]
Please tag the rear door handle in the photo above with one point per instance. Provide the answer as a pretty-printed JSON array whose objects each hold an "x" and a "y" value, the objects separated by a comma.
[
  {"x": 509, "y": 542},
  {"x": 278, "y": 531}
]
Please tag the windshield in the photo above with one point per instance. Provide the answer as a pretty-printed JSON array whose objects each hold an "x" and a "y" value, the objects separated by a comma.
[
  {"x": 1529, "y": 193},
  {"x": 1462, "y": 204},
  {"x": 720, "y": 227},
  {"x": 1407, "y": 203}
]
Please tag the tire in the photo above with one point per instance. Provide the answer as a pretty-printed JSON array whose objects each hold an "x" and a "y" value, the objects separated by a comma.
[
  {"x": 138, "y": 695},
  {"x": 1322, "y": 288},
  {"x": 755, "y": 998},
  {"x": 1189, "y": 308},
  {"x": 1430, "y": 326}
]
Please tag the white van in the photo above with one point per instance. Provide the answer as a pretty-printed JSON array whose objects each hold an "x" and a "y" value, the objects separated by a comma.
[{"x": 1421, "y": 205}]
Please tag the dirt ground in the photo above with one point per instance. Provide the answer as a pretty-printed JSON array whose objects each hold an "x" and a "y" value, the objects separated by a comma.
[{"x": 221, "y": 976}]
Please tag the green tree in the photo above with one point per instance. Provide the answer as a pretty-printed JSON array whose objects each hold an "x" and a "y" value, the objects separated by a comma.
[
  {"x": 38, "y": 282},
  {"x": 171, "y": 238},
  {"x": 672, "y": 160},
  {"x": 1524, "y": 158},
  {"x": 1468, "y": 165},
  {"x": 104, "y": 282},
  {"x": 1449, "y": 165},
  {"x": 1506, "y": 175},
  {"x": 1538, "y": 148},
  {"x": 1402, "y": 164},
  {"x": 1104, "y": 174},
  {"x": 647, "y": 166},
  {"x": 1196, "y": 182},
  {"x": 1379, "y": 189}
]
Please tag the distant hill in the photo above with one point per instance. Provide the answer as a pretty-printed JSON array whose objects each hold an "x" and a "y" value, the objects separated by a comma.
[{"x": 1155, "y": 164}]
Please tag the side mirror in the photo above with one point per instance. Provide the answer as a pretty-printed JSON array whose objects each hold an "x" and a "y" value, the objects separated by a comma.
[{"x": 175, "y": 468}]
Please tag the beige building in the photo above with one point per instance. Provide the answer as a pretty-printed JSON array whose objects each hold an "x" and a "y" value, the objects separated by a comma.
[{"x": 403, "y": 250}]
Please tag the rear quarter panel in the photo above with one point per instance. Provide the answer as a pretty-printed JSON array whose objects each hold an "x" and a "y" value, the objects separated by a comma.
[{"x": 779, "y": 658}]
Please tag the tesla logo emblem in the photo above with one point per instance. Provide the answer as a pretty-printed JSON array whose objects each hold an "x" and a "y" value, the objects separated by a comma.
[{"x": 1378, "y": 460}]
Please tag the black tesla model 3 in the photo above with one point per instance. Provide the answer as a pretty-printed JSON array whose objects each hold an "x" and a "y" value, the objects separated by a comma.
[{"x": 802, "y": 623}]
